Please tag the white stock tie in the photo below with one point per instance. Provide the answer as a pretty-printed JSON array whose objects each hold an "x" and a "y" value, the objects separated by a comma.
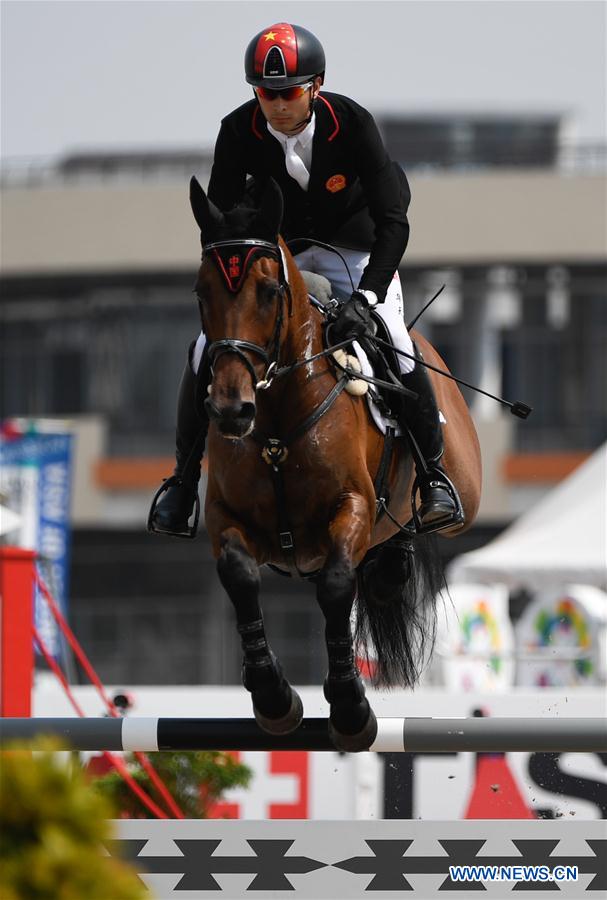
[{"x": 295, "y": 165}]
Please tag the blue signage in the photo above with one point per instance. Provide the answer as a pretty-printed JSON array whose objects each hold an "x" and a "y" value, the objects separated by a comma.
[{"x": 36, "y": 484}]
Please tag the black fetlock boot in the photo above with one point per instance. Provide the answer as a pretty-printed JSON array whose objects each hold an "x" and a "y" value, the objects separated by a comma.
[
  {"x": 177, "y": 498},
  {"x": 440, "y": 506}
]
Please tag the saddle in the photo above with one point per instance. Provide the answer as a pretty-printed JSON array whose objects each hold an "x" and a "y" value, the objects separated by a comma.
[{"x": 384, "y": 362}]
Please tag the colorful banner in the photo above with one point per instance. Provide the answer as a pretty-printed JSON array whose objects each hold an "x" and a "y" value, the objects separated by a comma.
[
  {"x": 35, "y": 483},
  {"x": 562, "y": 638},
  {"x": 475, "y": 639}
]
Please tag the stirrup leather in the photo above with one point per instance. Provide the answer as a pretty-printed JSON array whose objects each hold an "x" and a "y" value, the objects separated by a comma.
[
  {"x": 173, "y": 481},
  {"x": 450, "y": 520}
]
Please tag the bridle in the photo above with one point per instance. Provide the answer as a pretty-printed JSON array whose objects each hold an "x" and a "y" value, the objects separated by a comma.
[{"x": 245, "y": 250}]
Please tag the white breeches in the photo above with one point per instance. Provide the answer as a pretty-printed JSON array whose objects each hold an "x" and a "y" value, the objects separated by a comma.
[{"x": 323, "y": 262}]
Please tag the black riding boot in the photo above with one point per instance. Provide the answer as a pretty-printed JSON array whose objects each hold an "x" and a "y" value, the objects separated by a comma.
[
  {"x": 440, "y": 506},
  {"x": 174, "y": 503}
]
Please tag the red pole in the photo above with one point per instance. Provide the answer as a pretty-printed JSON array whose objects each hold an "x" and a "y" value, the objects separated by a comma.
[{"x": 16, "y": 620}]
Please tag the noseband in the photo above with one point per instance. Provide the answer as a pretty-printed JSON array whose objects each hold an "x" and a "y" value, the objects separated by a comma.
[{"x": 233, "y": 260}]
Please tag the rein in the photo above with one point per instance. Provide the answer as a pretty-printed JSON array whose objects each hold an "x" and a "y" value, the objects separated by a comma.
[
  {"x": 234, "y": 275},
  {"x": 233, "y": 259}
]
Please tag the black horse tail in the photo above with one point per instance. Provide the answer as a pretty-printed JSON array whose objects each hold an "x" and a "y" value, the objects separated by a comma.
[{"x": 398, "y": 584}]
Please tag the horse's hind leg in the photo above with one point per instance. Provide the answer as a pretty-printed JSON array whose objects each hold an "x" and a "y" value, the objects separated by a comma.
[
  {"x": 277, "y": 707},
  {"x": 352, "y": 724}
]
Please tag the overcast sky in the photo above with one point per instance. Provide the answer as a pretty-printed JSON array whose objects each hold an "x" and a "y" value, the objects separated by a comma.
[{"x": 116, "y": 74}]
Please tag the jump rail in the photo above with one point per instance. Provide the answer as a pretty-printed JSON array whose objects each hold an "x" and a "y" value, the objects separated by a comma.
[{"x": 394, "y": 734}]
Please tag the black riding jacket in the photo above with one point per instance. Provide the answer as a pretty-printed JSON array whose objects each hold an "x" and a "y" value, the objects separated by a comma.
[{"x": 357, "y": 196}]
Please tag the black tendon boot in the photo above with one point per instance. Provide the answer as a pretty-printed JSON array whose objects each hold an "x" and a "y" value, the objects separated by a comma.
[
  {"x": 440, "y": 506},
  {"x": 177, "y": 498}
]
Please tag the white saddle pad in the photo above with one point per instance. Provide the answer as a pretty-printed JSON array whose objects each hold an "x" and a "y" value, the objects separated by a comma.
[
  {"x": 319, "y": 287},
  {"x": 380, "y": 420}
]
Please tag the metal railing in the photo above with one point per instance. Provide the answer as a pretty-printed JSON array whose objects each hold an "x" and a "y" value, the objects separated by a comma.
[{"x": 125, "y": 168}]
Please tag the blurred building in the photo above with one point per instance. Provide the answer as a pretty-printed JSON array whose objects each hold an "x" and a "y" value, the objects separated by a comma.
[{"x": 99, "y": 256}]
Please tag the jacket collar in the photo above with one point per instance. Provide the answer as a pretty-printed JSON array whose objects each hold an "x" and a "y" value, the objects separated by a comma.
[
  {"x": 304, "y": 137},
  {"x": 327, "y": 125},
  {"x": 327, "y": 118}
]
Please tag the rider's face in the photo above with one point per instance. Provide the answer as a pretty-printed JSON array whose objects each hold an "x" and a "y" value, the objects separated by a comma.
[{"x": 285, "y": 115}]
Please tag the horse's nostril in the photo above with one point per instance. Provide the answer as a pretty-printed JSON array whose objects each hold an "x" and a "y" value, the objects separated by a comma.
[
  {"x": 247, "y": 411},
  {"x": 230, "y": 414},
  {"x": 211, "y": 409}
]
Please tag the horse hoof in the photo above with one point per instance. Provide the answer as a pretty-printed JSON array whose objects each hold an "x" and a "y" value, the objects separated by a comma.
[
  {"x": 354, "y": 743},
  {"x": 285, "y": 724}
]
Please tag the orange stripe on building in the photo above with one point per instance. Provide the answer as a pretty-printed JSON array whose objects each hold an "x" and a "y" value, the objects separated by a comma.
[
  {"x": 133, "y": 474},
  {"x": 541, "y": 467}
]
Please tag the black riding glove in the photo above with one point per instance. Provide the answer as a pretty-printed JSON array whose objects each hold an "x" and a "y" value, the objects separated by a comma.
[{"x": 353, "y": 319}]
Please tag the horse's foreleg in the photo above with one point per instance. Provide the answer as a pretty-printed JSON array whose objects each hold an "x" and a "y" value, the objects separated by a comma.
[
  {"x": 277, "y": 707},
  {"x": 352, "y": 724}
]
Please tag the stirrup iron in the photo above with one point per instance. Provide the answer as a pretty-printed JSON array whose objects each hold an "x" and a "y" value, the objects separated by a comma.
[
  {"x": 449, "y": 520},
  {"x": 192, "y": 529}
]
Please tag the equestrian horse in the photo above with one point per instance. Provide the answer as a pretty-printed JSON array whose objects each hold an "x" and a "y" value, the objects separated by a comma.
[{"x": 292, "y": 460}]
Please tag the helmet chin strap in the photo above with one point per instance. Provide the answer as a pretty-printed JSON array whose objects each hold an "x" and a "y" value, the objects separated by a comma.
[{"x": 307, "y": 119}]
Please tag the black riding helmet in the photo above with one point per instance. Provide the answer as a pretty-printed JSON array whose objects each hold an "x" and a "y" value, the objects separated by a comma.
[{"x": 283, "y": 55}]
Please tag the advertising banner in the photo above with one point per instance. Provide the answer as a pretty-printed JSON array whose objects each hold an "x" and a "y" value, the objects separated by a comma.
[
  {"x": 210, "y": 858},
  {"x": 453, "y": 785},
  {"x": 35, "y": 484}
]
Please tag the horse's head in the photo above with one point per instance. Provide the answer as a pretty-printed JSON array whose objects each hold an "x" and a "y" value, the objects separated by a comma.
[{"x": 241, "y": 290}]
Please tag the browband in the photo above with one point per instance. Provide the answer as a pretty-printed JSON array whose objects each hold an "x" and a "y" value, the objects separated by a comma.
[
  {"x": 240, "y": 241},
  {"x": 233, "y": 258}
]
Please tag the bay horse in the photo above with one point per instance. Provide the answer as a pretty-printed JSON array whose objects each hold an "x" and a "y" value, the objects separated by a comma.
[{"x": 293, "y": 488}]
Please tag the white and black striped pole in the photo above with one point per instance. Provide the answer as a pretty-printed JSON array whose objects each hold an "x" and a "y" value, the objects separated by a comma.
[{"x": 422, "y": 735}]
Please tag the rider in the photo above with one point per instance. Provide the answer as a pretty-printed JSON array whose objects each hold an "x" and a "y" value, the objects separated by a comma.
[{"x": 340, "y": 187}]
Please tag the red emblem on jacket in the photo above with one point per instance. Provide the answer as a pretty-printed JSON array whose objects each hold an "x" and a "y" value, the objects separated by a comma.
[{"x": 336, "y": 183}]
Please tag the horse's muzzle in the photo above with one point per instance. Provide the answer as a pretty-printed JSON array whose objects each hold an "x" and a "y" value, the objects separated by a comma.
[{"x": 233, "y": 420}]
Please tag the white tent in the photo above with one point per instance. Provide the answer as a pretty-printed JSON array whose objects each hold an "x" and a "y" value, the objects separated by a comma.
[{"x": 563, "y": 539}]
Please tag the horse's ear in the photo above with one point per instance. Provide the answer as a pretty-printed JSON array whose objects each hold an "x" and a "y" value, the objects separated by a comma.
[
  {"x": 208, "y": 217},
  {"x": 269, "y": 216}
]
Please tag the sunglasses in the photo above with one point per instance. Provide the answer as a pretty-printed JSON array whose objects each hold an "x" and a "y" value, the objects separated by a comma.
[{"x": 290, "y": 93}]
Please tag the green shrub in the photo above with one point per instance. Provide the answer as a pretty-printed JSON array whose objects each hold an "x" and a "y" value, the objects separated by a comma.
[
  {"x": 195, "y": 779},
  {"x": 52, "y": 828}
]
